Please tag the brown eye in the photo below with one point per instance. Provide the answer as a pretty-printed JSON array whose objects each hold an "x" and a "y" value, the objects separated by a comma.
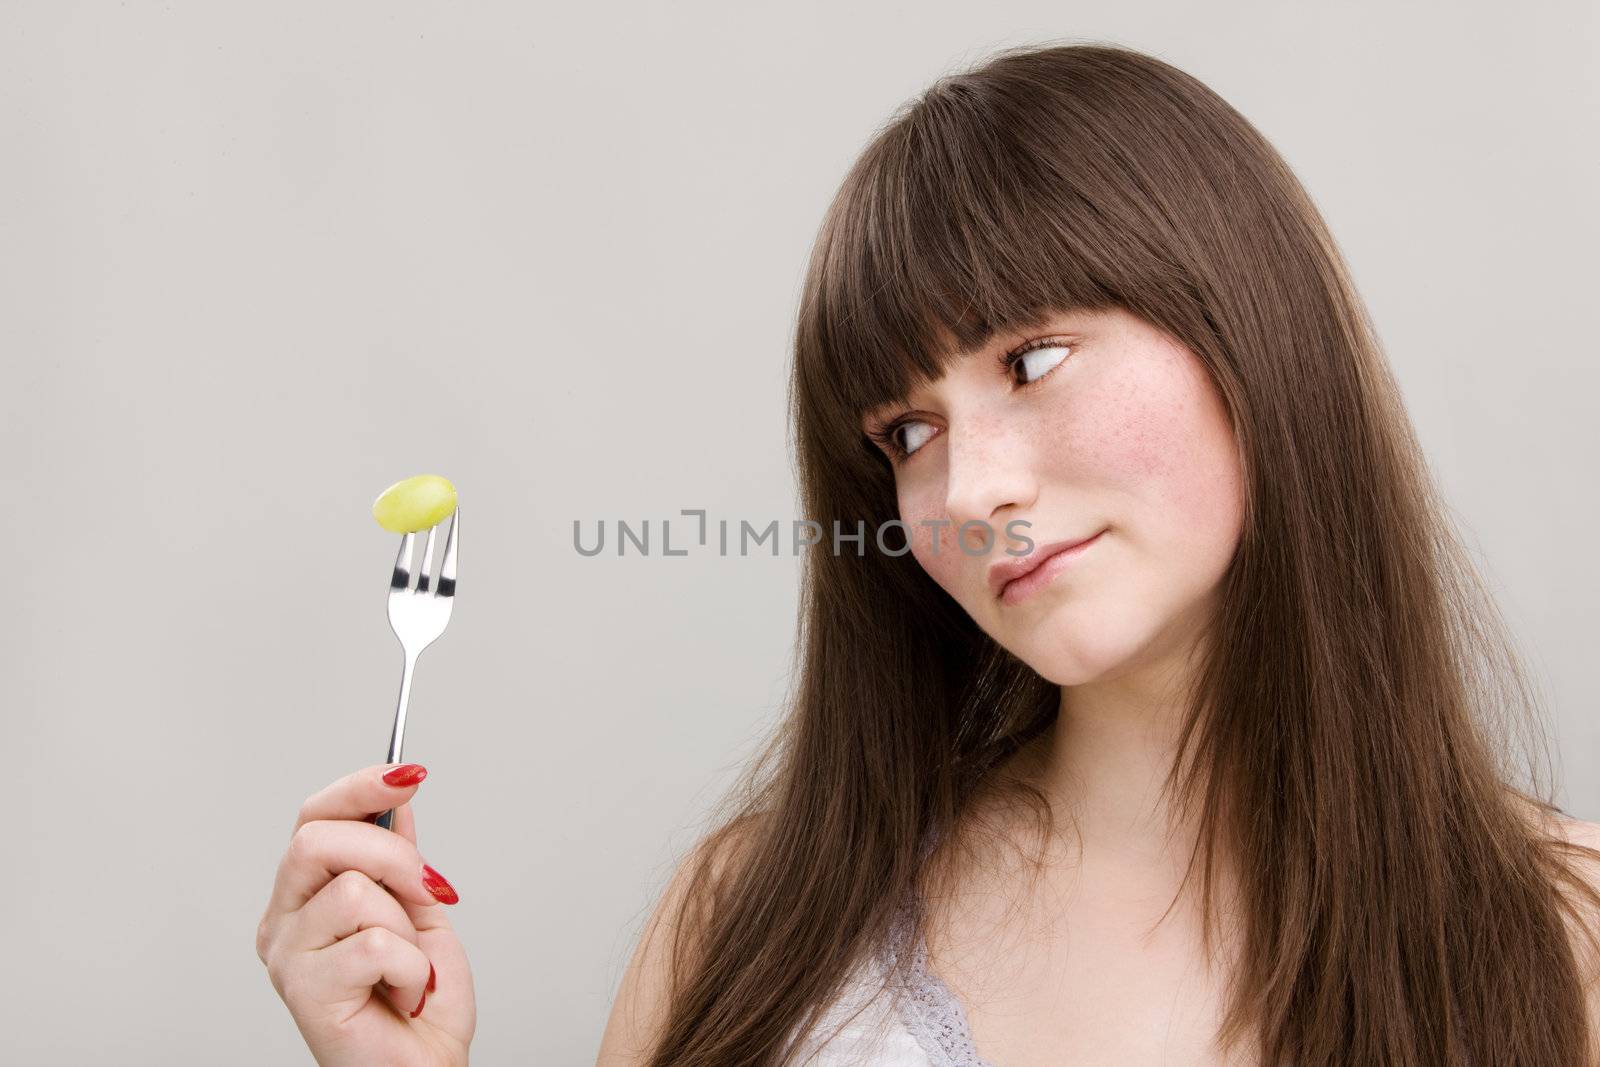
[
  {"x": 889, "y": 439},
  {"x": 1037, "y": 358}
]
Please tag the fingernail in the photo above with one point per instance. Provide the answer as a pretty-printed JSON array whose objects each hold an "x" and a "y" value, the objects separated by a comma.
[
  {"x": 406, "y": 774},
  {"x": 420, "y": 1003},
  {"x": 433, "y": 980},
  {"x": 434, "y": 883}
]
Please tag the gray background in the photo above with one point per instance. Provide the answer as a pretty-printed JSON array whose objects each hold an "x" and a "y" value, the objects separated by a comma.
[{"x": 261, "y": 260}]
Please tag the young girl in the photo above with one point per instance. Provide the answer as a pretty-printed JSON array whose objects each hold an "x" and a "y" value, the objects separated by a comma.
[
  {"x": 1158, "y": 716},
  {"x": 1218, "y": 786}
]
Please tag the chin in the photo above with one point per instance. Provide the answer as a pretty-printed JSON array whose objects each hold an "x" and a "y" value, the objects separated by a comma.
[{"x": 1074, "y": 651}]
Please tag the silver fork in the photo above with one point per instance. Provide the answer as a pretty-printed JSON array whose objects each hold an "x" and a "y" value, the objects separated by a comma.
[{"x": 418, "y": 615}]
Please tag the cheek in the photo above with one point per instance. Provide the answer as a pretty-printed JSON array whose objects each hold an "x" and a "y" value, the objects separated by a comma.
[
  {"x": 1158, "y": 437},
  {"x": 933, "y": 537},
  {"x": 1129, "y": 427}
]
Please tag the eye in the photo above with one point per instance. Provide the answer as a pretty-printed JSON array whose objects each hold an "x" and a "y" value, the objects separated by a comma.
[
  {"x": 1037, "y": 358},
  {"x": 888, "y": 439}
]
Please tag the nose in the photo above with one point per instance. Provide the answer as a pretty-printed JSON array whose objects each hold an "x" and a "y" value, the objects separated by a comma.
[{"x": 988, "y": 473}]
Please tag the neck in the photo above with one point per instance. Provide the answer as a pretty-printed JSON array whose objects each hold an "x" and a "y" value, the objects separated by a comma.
[{"x": 1104, "y": 763}]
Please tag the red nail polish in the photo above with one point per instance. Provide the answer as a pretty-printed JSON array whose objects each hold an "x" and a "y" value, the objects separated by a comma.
[
  {"x": 433, "y": 979},
  {"x": 420, "y": 1003},
  {"x": 406, "y": 774},
  {"x": 434, "y": 883}
]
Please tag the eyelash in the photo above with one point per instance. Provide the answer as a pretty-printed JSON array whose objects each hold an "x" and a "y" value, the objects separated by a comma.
[{"x": 885, "y": 438}]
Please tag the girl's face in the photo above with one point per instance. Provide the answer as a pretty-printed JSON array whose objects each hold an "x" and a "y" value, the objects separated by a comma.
[{"x": 1105, "y": 425}]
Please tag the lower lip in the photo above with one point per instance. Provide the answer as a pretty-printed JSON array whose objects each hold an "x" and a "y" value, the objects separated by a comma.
[{"x": 1019, "y": 589}]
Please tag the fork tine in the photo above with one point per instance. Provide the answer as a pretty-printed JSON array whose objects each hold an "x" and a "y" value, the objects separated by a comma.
[
  {"x": 402, "y": 563},
  {"x": 447, "y": 570},
  {"x": 427, "y": 561}
]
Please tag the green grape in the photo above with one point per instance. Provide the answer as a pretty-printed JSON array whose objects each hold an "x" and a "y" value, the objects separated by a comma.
[{"x": 414, "y": 503}]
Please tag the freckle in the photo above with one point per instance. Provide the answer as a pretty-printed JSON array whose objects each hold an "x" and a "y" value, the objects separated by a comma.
[
  {"x": 1152, "y": 449},
  {"x": 1151, "y": 454}
]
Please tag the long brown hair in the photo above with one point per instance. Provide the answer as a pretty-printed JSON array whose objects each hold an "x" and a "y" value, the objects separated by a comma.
[{"x": 1354, "y": 714}]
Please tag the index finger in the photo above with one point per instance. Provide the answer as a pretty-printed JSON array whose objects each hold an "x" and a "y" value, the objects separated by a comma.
[{"x": 361, "y": 793}]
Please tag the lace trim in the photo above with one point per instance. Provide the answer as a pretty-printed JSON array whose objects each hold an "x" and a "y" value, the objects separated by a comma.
[
  {"x": 934, "y": 1015},
  {"x": 929, "y": 1010}
]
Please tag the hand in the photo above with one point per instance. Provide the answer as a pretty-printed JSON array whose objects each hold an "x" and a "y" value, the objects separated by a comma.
[{"x": 353, "y": 936}]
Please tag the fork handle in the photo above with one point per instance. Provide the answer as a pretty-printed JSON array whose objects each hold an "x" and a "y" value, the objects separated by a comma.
[{"x": 386, "y": 820}]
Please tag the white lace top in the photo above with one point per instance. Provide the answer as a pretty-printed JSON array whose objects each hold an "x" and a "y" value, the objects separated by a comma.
[
  {"x": 884, "y": 1020},
  {"x": 877, "y": 1021}
]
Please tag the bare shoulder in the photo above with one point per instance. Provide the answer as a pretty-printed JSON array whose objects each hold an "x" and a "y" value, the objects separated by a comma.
[
  {"x": 1564, "y": 828},
  {"x": 1584, "y": 927},
  {"x": 1580, "y": 832},
  {"x": 669, "y": 940},
  {"x": 1556, "y": 823}
]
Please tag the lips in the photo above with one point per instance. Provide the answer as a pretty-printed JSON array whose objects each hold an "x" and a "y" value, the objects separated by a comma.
[{"x": 1009, "y": 570}]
